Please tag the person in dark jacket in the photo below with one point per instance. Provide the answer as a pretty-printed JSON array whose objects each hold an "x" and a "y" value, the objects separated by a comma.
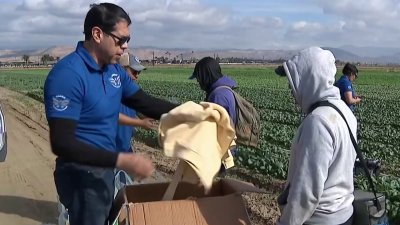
[{"x": 208, "y": 74}]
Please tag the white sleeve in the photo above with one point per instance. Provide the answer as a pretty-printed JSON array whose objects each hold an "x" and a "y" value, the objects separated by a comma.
[{"x": 313, "y": 155}]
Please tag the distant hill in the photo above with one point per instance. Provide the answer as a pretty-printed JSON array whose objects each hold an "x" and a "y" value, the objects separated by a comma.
[
  {"x": 343, "y": 55},
  {"x": 348, "y": 56},
  {"x": 34, "y": 54},
  {"x": 146, "y": 53},
  {"x": 340, "y": 54},
  {"x": 395, "y": 58},
  {"x": 57, "y": 51},
  {"x": 373, "y": 52}
]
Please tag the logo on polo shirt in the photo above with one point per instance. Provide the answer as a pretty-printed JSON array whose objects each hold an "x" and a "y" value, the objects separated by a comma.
[
  {"x": 60, "y": 102},
  {"x": 115, "y": 80}
]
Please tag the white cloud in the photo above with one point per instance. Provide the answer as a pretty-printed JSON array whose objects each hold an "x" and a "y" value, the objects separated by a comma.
[
  {"x": 189, "y": 12},
  {"x": 60, "y": 8},
  {"x": 360, "y": 23},
  {"x": 303, "y": 26},
  {"x": 197, "y": 24},
  {"x": 375, "y": 13},
  {"x": 264, "y": 22}
]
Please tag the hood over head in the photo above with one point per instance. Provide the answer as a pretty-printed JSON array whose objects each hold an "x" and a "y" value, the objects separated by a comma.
[
  {"x": 311, "y": 75},
  {"x": 206, "y": 71}
]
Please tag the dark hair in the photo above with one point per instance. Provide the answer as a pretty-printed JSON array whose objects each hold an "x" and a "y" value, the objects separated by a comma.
[
  {"x": 349, "y": 68},
  {"x": 207, "y": 71},
  {"x": 105, "y": 16}
]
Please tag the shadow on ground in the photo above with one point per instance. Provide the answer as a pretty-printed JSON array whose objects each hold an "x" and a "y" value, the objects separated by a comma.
[{"x": 38, "y": 210}]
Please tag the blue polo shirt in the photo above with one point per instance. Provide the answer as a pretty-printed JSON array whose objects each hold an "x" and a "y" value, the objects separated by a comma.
[
  {"x": 76, "y": 88},
  {"x": 125, "y": 133},
  {"x": 345, "y": 85}
]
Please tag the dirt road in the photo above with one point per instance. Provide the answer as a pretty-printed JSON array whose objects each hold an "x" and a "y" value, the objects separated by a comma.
[{"x": 27, "y": 192}]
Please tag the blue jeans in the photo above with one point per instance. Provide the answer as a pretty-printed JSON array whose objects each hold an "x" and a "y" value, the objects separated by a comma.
[{"x": 87, "y": 192}]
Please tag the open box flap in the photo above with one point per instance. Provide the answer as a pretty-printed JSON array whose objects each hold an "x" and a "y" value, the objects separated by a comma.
[
  {"x": 231, "y": 186},
  {"x": 153, "y": 192},
  {"x": 222, "y": 210}
]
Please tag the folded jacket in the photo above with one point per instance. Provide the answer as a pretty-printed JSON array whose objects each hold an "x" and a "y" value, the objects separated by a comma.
[{"x": 201, "y": 135}]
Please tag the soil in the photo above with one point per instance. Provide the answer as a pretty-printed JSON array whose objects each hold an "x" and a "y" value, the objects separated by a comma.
[{"x": 27, "y": 192}]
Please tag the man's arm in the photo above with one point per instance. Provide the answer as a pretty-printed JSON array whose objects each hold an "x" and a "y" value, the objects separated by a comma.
[
  {"x": 145, "y": 123},
  {"x": 349, "y": 98},
  {"x": 148, "y": 105},
  {"x": 65, "y": 145},
  {"x": 135, "y": 98}
]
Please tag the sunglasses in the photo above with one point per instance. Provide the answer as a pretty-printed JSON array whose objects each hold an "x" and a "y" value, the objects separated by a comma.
[{"x": 120, "y": 40}]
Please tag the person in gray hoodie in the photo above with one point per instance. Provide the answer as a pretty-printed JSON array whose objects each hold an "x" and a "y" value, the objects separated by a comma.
[{"x": 319, "y": 187}]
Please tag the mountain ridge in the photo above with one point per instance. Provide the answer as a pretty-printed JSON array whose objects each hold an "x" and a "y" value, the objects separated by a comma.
[{"x": 146, "y": 53}]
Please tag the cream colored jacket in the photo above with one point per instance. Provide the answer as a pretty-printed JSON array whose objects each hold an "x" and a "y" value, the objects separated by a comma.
[{"x": 200, "y": 135}]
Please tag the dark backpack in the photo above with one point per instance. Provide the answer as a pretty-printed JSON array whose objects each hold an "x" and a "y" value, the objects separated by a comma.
[{"x": 247, "y": 125}]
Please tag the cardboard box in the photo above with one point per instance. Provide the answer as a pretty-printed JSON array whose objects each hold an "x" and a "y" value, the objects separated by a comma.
[{"x": 223, "y": 205}]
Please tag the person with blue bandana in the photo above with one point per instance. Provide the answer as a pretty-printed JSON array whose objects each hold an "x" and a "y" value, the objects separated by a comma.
[
  {"x": 345, "y": 85},
  {"x": 82, "y": 95}
]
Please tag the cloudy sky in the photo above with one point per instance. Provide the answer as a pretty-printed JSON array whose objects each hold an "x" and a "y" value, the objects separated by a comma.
[{"x": 205, "y": 24}]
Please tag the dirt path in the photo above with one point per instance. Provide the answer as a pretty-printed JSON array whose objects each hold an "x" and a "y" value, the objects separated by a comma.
[{"x": 27, "y": 192}]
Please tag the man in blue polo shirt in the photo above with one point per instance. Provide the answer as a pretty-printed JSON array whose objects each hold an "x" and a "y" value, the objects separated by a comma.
[
  {"x": 82, "y": 94},
  {"x": 350, "y": 73}
]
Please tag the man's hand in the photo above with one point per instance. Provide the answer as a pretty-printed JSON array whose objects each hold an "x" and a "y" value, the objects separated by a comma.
[
  {"x": 149, "y": 124},
  {"x": 136, "y": 165}
]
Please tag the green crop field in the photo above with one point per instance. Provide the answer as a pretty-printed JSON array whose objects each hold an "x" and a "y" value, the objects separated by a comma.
[{"x": 378, "y": 115}]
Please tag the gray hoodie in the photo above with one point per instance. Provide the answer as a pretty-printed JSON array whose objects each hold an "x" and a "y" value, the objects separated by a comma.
[{"x": 319, "y": 187}]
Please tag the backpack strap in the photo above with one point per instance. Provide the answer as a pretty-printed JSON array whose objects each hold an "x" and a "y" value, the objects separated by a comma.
[
  {"x": 234, "y": 96},
  {"x": 358, "y": 151},
  {"x": 221, "y": 87}
]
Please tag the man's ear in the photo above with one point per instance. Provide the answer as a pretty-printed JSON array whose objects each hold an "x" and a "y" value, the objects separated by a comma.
[{"x": 97, "y": 34}]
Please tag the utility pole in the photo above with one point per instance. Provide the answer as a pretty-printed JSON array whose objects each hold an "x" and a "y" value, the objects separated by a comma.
[
  {"x": 181, "y": 58},
  {"x": 153, "y": 59}
]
